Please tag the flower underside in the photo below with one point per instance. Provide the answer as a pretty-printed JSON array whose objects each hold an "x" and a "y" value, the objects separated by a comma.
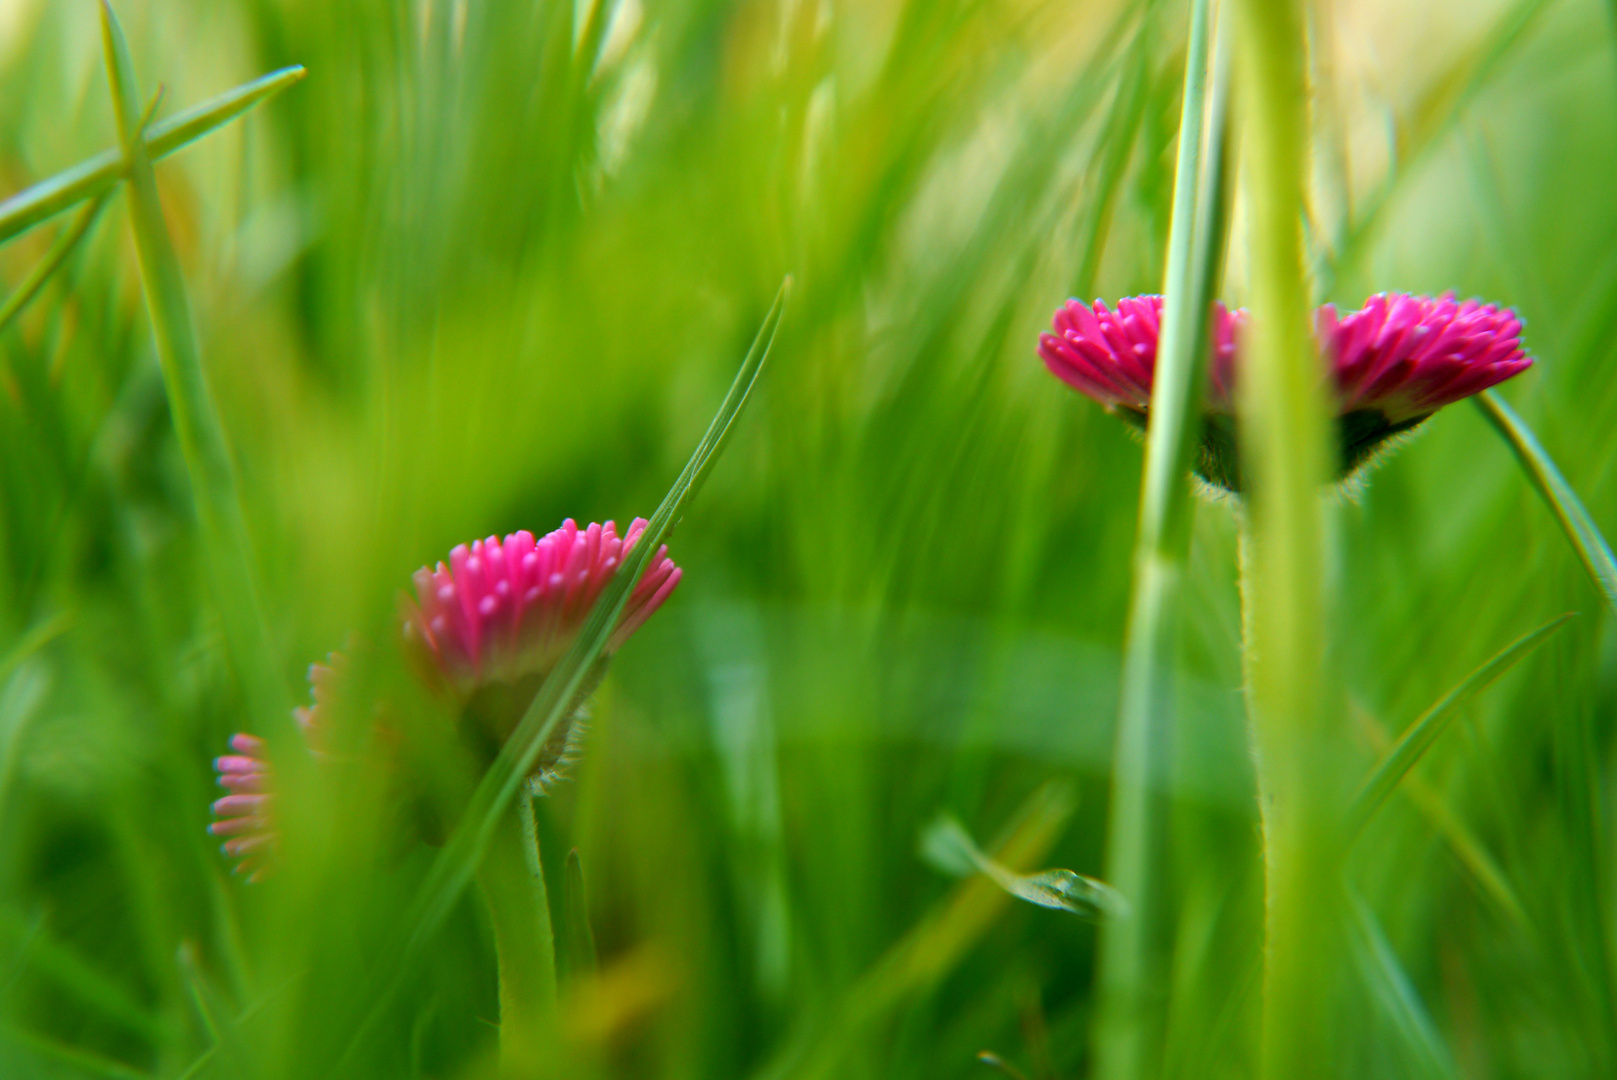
[{"x": 1392, "y": 364}]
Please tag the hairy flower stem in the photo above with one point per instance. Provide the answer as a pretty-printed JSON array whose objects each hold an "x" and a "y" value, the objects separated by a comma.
[
  {"x": 1285, "y": 433},
  {"x": 513, "y": 885}
]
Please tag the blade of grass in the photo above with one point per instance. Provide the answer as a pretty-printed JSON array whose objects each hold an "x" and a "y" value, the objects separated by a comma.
[
  {"x": 1424, "y": 731},
  {"x": 457, "y": 861},
  {"x": 99, "y": 174},
  {"x": 1131, "y": 1019},
  {"x": 949, "y": 847},
  {"x": 60, "y": 249},
  {"x": 1470, "y": 851},
  {"x": 1580, "y": 528},
  {"x": 196, "y": 420}
]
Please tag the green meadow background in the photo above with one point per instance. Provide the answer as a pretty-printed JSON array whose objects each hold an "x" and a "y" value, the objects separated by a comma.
[{"x": 490, "y": 265}]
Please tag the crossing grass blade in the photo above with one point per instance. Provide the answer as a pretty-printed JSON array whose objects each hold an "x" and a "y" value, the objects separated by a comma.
[
  {"x": 1580, "y": 528},
  {"x": 101, "y": 173},
  {"x": 196, "y": 421},
  {"x": 1425, "y": 731},
  {"x": 1134, "y": 951},
  {"x": 457, "y": 861}
]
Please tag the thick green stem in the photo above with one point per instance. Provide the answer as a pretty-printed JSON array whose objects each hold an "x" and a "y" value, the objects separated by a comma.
[
  {"x": 1285, "y": 427},
  {"x": 513, "y": 884}
]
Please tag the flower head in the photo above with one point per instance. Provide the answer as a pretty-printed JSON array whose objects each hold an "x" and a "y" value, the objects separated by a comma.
[
  {"x": 1111, "y": 356},
  {"x": 1408, "y": 356},
  {"x": 505, "y": 609},
  {"x": 1393, "y": 363}
]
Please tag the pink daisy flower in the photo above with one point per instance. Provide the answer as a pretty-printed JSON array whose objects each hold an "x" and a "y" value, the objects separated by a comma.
[
  {"x": 1111, "y": 356},
  {"x": 492, "y": 624},
  {"x": 486, "y": 629},
  {"x": 1408, "y": 356},
  {"x": 1393, "y": 363},
  {"x": 506, "y": 609}
]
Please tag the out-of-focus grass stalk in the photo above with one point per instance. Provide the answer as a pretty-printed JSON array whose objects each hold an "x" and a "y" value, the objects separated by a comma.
[
  {"x": 99, "y": 174},
  {"x": 196, "y": 421},
  {"x": 1133, "y": 959},
  {"x": 512, "y": 879},
  {"x": 1284, "y": 430},
  {"x": 60, "y": 249},
  {"x": 1580, "y": 528}
]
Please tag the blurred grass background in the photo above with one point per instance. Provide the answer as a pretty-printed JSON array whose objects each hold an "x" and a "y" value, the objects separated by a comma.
[{"x": 491, "y": 265}]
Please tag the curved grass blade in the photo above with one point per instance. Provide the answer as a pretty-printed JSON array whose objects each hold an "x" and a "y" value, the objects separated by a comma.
[
  {"x": 1580, "y": 528},
  {"x": 949, "y": 847},
  {"x": 1133, "y": 952},
  {"x": 1424, "y": 731},
  {"x": 88, "y": 179},
  {"x": 196, "y": 421},
  {"x": 457, "y": 861},
  {"x": 60, "y": 249},
  {"x": 1473, "y": 855}
]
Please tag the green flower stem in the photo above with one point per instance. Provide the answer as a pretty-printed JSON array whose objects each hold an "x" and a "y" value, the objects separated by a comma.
[
  {"x": 512, "y": 880},
  {"x": 1284, "y": 432},
  {"x": 1134, "y": 951}
]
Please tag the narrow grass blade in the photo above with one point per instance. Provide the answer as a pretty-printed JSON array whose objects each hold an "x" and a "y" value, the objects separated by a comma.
[
  {"x": 1580, "y": 528},
  {"x": 53, "y": 260},
  {"x": 196, "y": 421},
  {"x": 577, "y": 938},
  {"x": 1467, "y": 847},
  {"x": 457, "y": 861},
  {"x": 949, "y": 847},
  {"x": 1425, "y": 731},
  {"x": 1134, "y": 952},
  {"x": 1395, "y": 996},
  {"x": 99, "y": 174}
]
